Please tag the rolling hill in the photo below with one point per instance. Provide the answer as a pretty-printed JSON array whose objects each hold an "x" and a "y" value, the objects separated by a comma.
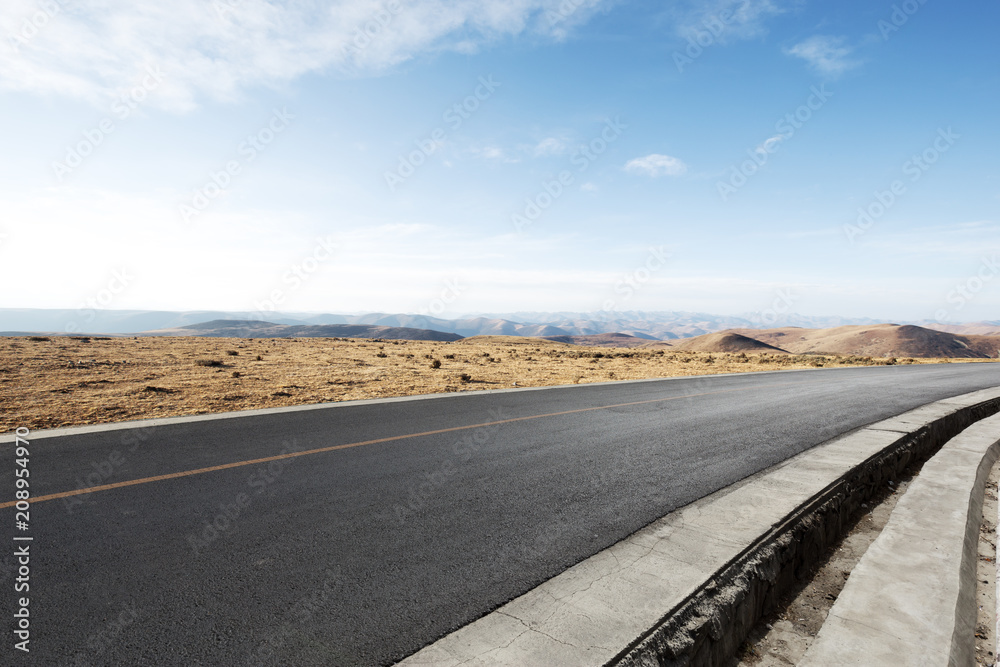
[
  {"x": 726, "y": 341},
  {"x": 882, "y": 340}
]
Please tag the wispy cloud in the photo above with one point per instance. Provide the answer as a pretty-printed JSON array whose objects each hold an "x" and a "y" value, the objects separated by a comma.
[
  {"x": 725, "y": 20},
  {"x": 218, "y": 49},
  {"x": 655, "y": 165},
  {"x": 549, "y": 146},
  {"x": 491, "y": 153},
  {"x": 827, "y": 55}
]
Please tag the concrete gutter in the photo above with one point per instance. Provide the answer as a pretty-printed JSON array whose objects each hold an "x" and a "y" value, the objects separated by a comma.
[
  {"x": 689, "y": 587},
  {"x": 911, "y": 600}
]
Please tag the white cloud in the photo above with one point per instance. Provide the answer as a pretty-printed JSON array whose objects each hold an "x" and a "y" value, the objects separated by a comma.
[
  {"x": 656, "y": 165},
  {"x": 218, "y": 49},
  {"x": 771, "y": 143},
  {"x": 549, "y": 146},
  {"x": 723, "y": 20},
  {"x": 827, "y": 55},
  {"x": 491, "y": 153}
]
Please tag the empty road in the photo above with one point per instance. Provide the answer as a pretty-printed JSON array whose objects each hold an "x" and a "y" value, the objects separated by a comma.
[{"x": 415, "y": 517}]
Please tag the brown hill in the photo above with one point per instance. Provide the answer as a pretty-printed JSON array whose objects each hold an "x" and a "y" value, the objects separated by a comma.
[
  {"x": 725, "y": 341},
  {"x": 881, "y": 340}
]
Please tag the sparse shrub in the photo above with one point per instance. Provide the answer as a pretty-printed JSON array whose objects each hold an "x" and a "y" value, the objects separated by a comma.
[
  {"x": 214, "y": 363},
  {"x": 465, "y": 377},
  {"x": 39, "y": 339},
  {"x": 236, "y": 374},
  {"x": 260, "y": 358},
  {"x": 232, "y": 353},
  {"x": 381, "y": 355},
  {"x": 436, "y": 363},
  {"x": 449, "y": 356}
]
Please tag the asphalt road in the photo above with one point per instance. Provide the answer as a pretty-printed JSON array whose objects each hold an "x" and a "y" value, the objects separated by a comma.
[{"x": 361, "y": 555}]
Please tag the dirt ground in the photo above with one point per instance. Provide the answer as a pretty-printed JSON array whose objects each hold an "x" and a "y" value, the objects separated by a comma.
[
  {"x": 986, "y": 575},
  {"x": 64, "y": 381},
  {"x": 783, "y": 638}
]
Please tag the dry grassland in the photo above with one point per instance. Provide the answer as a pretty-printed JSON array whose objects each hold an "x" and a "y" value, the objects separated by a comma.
[{"x": 48, "y": 383}]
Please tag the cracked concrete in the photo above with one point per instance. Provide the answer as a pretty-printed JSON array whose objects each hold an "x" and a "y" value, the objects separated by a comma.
[{"x": 912, "y": 595}]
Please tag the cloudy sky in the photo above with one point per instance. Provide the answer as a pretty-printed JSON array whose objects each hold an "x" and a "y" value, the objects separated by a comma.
[{"x": 459, "y": 156}]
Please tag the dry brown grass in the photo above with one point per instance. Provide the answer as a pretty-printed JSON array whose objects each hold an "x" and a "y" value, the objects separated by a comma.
[{"x": 47, "y": 383}]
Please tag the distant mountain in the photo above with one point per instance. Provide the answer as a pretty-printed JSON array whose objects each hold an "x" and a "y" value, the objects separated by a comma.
[
  {"x": 260, "y": 329},
  {"x": 973, "y": 328},
  {"x": 660, "y": 325}
]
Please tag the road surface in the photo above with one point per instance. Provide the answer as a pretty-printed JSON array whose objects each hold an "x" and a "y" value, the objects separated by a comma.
[{"x": 414, "y": 518}]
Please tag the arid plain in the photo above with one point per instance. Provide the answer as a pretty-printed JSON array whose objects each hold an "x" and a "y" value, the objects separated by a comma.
[{"x": 49, "y": 382}]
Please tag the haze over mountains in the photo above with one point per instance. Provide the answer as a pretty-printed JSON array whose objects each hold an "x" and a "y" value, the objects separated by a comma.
[
  {"x": 663, "y": 325},
  {"x": 258, "y": 329}
]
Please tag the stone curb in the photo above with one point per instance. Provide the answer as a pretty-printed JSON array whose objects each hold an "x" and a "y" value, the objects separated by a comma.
[
  {"x": 689, "y": 587},
  {"x": 911, "y": 600}
]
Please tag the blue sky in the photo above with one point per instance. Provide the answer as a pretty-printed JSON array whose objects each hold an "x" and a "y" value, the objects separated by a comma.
[{"x": 455, "y": 157}]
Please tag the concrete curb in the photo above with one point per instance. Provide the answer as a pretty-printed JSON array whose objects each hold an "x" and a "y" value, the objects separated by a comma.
[
  {"x": 689, "y": 587},
  {"x": 911, "y": 600}
]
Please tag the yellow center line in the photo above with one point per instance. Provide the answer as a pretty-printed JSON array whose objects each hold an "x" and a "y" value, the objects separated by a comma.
[{"x": 320, "y": 450}]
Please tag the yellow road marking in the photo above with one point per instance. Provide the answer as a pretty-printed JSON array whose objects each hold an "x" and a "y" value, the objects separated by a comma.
[{"x": 320, "y": 450}]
